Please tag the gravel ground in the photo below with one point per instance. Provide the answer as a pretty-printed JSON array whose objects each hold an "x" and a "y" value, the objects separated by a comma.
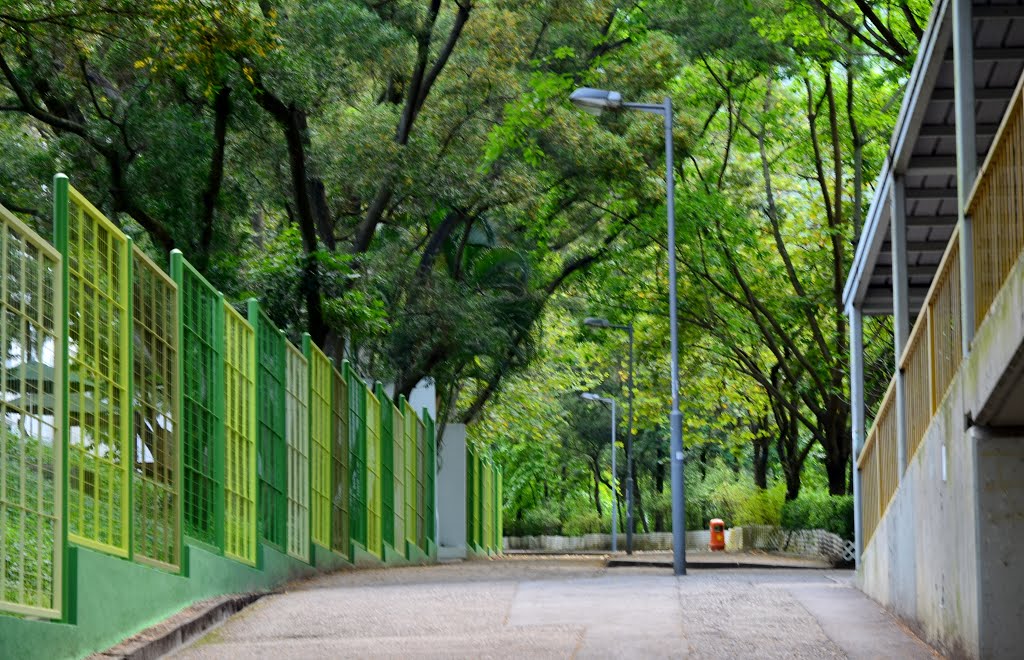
[{"x": 559, "y": 607}]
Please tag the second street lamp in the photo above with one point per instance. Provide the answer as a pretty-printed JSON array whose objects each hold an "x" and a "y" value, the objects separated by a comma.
[
  {"x": 589, "y": 396},
  {"x": 605, "y": 323},
  {"x": 596, "y": 101}
]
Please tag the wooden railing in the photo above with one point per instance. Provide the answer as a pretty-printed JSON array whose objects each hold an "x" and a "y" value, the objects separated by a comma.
[
  {"x": 877, "y": 464},
  {"x": 996, "y": 208}
]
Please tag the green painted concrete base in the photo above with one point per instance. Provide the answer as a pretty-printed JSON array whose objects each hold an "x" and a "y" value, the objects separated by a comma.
[
  {"x": 393, "y": 557},
  {"x": 363, "y": 558},
  {"x": 417, "y": 556},
  {"x": 117, "y": 598}
]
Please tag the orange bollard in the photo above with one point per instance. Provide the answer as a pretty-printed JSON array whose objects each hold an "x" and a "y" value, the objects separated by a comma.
[{"x": 718, "y": 534}]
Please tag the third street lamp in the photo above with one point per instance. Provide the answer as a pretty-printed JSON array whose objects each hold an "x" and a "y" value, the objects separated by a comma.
[
  {"x": 589, "y": 396},
  {"x": 604, "y": 323}
]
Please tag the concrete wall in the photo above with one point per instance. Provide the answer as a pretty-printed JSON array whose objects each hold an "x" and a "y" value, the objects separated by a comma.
[
  {"x": 946, "y": 556},
  {"x": 1000, "y": 464},
  {"x": 451, "y": 493}
]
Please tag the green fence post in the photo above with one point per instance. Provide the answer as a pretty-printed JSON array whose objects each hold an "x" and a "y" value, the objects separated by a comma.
[{"x": 68, "y": 575}]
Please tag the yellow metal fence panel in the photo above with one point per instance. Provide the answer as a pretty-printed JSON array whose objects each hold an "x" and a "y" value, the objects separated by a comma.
[
  {"x": 98, "y": 260},
  {"x": 239, "y": 437},
  {"x": 31, "y": 373},
  {"x": 297, "y": 440},
  {"x": 869, "y": 488},
  {"x": 886, "y": 447},
  {"x": 320, "y": 375},
  {"x": 374, "y": 530},
  {"x": 398, "y": 438},
  {"x": 156, "y": 487}
]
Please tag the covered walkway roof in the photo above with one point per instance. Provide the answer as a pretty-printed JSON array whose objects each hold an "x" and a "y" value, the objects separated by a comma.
[{"x": 923, "y": 151}]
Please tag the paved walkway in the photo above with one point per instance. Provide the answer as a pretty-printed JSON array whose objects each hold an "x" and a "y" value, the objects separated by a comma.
[{"x": 561, "y": 608}]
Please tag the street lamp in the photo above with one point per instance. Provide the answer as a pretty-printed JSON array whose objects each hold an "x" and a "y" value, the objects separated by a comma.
[
  {"x": 596, "y": 101},
  {"x": 589, "y": 396},
  {"x": 605, "y": 323}
]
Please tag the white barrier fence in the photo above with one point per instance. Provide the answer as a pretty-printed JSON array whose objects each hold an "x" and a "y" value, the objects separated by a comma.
[{"x": 814, "y": 543}]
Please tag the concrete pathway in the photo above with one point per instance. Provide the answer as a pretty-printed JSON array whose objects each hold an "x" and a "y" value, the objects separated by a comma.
[{"x": 562, "y": 608}]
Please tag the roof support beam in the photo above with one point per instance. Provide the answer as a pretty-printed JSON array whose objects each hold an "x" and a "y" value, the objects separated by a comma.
[
  {"x": 989, "y": 54},
  {"x": 933, "y": 247},
  {"x": 931, "y": 193},
  {"x": 949, "y": 130},
  {"x": 997, "y": 11},
  {"x": 983, "y": 94},
  {"x": 931, "y": 220},
  {"x": 928, "y": 165}
]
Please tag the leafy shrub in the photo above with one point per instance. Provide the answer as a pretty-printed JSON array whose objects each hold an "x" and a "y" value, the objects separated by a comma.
[
  {"x": 585, "y": 522},
  {"x": 819, "y": 510},
  {"x": 535, "y": 522},
  {"x": 761, "y": 507}
]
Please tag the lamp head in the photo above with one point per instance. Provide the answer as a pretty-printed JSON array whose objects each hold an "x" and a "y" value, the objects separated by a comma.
[
  {"x": 596, "y": 322},
  {"x": 596, "y": 101},
  {"x": 590, "y": 396}
]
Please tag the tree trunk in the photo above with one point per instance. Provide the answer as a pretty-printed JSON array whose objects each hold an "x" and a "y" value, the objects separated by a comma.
[
  {"x": 597, "y": 491},
  {"x": 761, "y": 447}
]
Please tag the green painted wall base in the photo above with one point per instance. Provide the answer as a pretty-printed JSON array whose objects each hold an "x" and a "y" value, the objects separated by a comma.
[
  {"x": 363, "y": 558},
  {"x": 118, "y": 598},
  {"x": 417, "y": 556},
  {"x": 431, "y": 550},
  {"x": 327, "y": 561},
  {"x": 393, "y": 557}
]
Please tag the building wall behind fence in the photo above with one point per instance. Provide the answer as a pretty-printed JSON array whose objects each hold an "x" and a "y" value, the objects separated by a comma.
[{"x": 159, "y": 447}]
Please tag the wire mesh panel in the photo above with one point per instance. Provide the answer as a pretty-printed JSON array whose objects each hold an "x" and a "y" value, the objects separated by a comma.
[
  {"x": 297, "y": 438},
  {"x": 202, "y": 403},
  {"x": 97, "y": 263},
  {"x": 431, "y": 463},
  {"x": 271, "y": 458},
  {"x": 239, "y": 437},
  {"x": 373, "y": 486},
  {"x": 421, "y": 485},
  {"x": 387, "y": 467},
  {"x": 357, "y": 454},
  {"x": 398, "y": 455},
  {"x": 409, "y": 431},
  {"x": 320, "y": 380},
  {"x": 156, "y": 486},
  {"x": 32, "y": 408},
  {"x": 340, "y": 519}
]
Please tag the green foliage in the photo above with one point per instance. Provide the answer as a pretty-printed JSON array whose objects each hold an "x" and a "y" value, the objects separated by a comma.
[
  {"x": 534, "y": 522},
  {"x": 585, "y": 522},
  {"x": 819, "y": 510}
]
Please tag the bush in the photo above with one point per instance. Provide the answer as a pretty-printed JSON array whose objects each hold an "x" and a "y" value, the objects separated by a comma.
[
  {"x": 535, "y": 522},
  {"x": 819, "y": 510},
  {"x": 585, "y": 522}
]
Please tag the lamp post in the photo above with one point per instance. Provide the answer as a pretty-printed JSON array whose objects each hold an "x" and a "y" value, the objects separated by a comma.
[
  {"x": 594, "y": 397},
  {"x": 596, "y": 101},
  {"x": 604, "y": 323}
]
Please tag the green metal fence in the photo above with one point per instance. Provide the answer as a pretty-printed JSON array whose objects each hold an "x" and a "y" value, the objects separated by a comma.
[
  {"x": 240, "y": 490},
  {"x": 272, "y": 468},
  {"x": 156, "y": 491},
  {"x": 32, "y": 374},
  {"x": 141, "y": 410},
  {"x": 431, "y": 472},
  {"x": 341, "y": 534},
  {"x": 357, "y": 453},
  {"x": 374, "y": 538},
  {"x": 410, "y": 456},
  {"x": 297, "y": 439},
  {"x": 387, "y": 466},
  {"x": 202, "y": 403},
  {"x": 320, "y": 382},
  {"x": 398, "y": 456}
]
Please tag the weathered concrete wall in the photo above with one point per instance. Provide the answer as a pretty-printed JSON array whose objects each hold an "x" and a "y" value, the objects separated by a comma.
[
  {"x": 946, "y": 556},
  {"x": 451, "y": 493},
  {"x": 1000, "y": 464}
]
